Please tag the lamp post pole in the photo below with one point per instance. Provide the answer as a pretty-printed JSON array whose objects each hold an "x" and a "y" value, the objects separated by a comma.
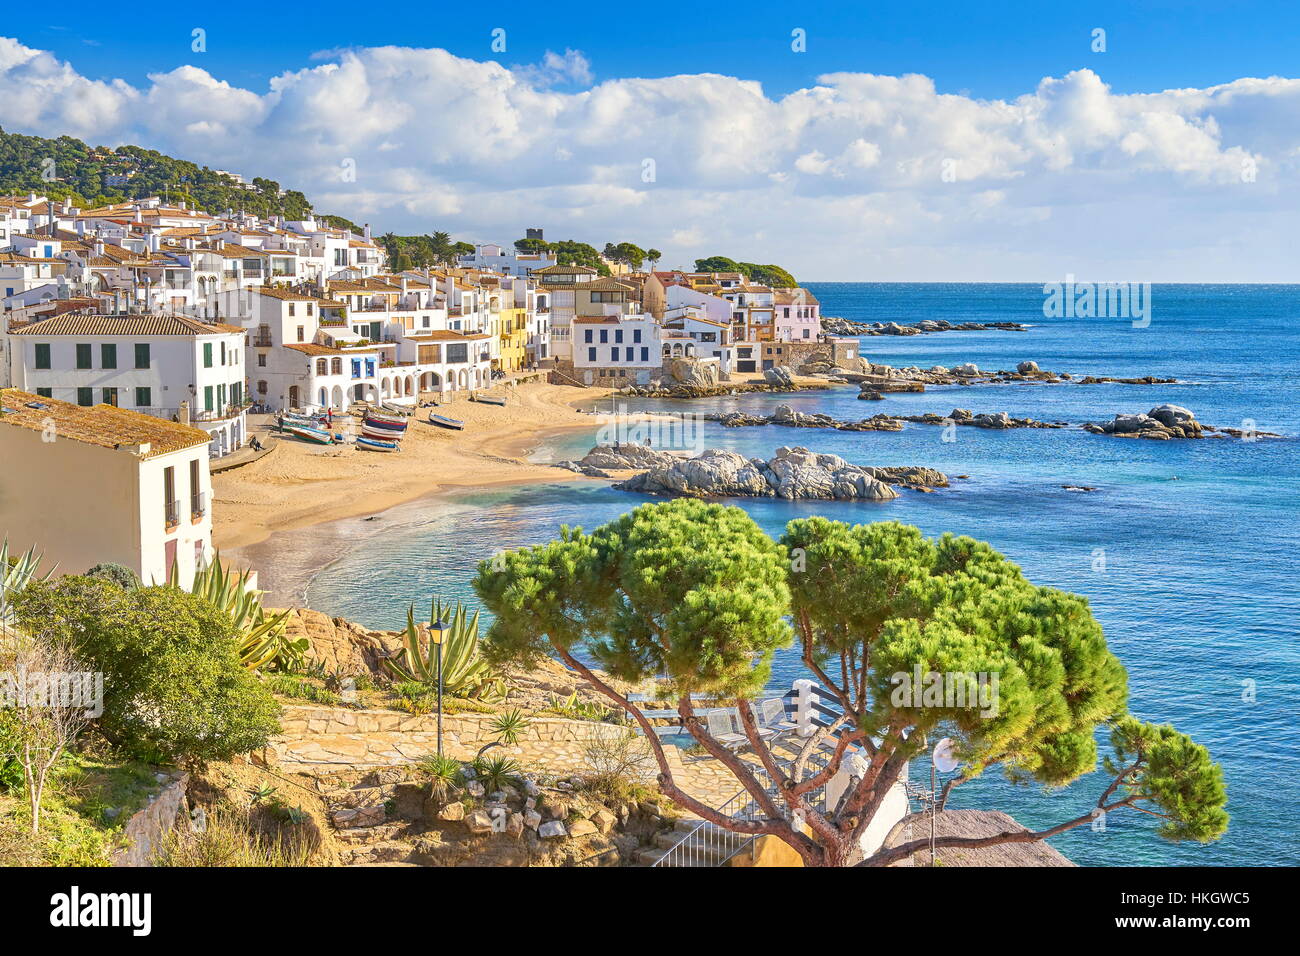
[{"x": 437, "y": 630}]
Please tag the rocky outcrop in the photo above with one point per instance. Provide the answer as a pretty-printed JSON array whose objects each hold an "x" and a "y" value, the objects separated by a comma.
[
  {"x": 1166, "y": 422},
  {"x": 713, "y": 391},
  {"x": 788, "y": 417},
  {"x": 1161, "y": 423},
  {"x": 780, "y": 376},
  {"x": 691, "y": 373},
  {"x": 839, "y": 326},
  {"x": 622, "y": 458},
  {"x": 340, "y": 647},
  {"x": 884, "y": 378},
  {"x": 793, "y": 473}
]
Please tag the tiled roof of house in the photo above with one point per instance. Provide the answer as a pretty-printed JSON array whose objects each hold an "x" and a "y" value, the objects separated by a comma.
[
  {"x": 311, "y": 348},
  {"x": 448, "y": 335},
  {"x": 103, "y": 425},
  {"x": 92, "y": 323},
  {"x": 279, "y": 292}
]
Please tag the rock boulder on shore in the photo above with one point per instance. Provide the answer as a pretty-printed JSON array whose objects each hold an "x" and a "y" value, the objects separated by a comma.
[
  {"x": 1162, "y": 423},
  {"x": 792, "y": 473}
]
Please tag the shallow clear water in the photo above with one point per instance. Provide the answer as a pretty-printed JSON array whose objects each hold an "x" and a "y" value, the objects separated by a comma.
[{"x": 1196, "y": 589}]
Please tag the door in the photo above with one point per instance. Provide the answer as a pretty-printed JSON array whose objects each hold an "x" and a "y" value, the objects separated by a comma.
[
  {"x": 293, "y": 396},
  {"x": 169, "y": 554}
]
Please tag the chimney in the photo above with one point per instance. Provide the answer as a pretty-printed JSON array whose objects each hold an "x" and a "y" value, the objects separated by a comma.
[
  {"x": 139, "y": 216},
  {"x": 154, "y": 242},
  {"x": 81, "y": 227},
  {"x": 183, "y": 413},
  {"x": 365, "y": 231},
  {"x": 97, "y": 249}
]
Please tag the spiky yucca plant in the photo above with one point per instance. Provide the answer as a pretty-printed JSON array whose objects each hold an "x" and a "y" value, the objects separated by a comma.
[
  {"x": 262, "y": 639},
  {"x": 464, "y": 672},
  {"x": 15, "y": 574}
]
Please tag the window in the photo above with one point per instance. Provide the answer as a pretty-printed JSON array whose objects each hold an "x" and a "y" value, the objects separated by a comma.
[
  {"x": 261, "y": 388},
  {"x": 291, "y": 310},
  {"x": 587, "y": 338},
  {"x": 85, "y": 397},
  {"x": 83, "y": 355},
  {"x": 645, "y": 354},
  {"x": 207, "y": 397},
  {"x": 108, "y": 356},
  {"x": 636, "y": 336},
  {"x": 604, "y": 336},
  {"x": 207, "y": 355},
  {"x": 143, "y": 397},
  {"x": 261, "y": 360},
  {"x": 301, "y": 337},
  {"x": 142, "y": 355},
  {"x": 45, "y": 392},
  {"x": 109, "y": 396},
  {"x": 591, "y": 354},
  {"x": 171, "y": 507},
  {"x": 196, "y": 491},
  {"x": 309, "y": 308},
  {"x": 223, "y": 353},
  {"x": 631, "y": 353},
  {"x": 42, "y": 355},
  {"x": 618, "y": 335}
]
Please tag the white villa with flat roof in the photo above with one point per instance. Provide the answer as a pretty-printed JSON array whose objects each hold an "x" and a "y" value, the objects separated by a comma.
[{"x": 88, "y": 485}]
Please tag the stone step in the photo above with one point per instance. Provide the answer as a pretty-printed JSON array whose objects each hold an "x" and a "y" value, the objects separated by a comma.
[
  {"x": 391, "y": 851},
  {"x": 354, "y": 817},
  {"x": 363, "y": 836}
]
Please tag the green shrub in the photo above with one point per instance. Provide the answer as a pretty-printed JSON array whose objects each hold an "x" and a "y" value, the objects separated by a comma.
[
  {"x": 117, "y": 574},
  {"x": 174, "y": 687},
  {"x": 299, "y": 688}
]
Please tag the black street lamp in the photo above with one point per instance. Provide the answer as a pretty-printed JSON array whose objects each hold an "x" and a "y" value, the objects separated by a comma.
[{"x": 437, "y": 630}]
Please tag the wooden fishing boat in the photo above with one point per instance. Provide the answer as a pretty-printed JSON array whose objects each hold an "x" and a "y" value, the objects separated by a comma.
[
  {"x": 387, "y": 430},
  {"x": 442, "y": 421},
  {"x": 488, "y": 400},
  {"x": 372, "y": 444},
  {"x": 373, "y": 418},
  {"x": 382, "y": 434},
  {"x": 317, "y": 436},
  {"x": 396, "y": 410}
]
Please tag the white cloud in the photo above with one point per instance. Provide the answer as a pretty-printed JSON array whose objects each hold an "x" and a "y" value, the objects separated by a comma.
[{"x": 844, "y": 179}]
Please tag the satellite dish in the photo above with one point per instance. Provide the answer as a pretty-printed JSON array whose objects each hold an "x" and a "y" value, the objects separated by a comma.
[{"x": 945, "y": 758}]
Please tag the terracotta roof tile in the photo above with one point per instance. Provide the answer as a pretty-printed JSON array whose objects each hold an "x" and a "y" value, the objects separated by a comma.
[{"x": 102, "y": 425}]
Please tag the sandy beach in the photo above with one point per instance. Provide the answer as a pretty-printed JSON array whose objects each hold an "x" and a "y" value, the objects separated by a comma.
[{"x": 300, "y": 484}]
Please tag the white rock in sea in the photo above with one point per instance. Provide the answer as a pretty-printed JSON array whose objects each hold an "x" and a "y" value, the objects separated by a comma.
[
  {"x": 791, "y": 473},
  {"x": 970, "y": 368},
  {"x": 1024, "y": 368},
  {"x": 1172, "y": 415}
]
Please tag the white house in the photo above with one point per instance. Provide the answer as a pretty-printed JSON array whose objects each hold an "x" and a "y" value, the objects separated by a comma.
[
  {"x": 87, "y": 485},
  {"x": 169, "y": 366},
  {"x": 616, "y": 349},
  {"x": 491, "y": 257}
]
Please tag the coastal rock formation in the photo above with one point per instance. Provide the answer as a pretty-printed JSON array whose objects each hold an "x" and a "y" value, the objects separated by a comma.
[
  {"x": 693, "y": 374},
  {"x": 884, "y": 378},
  {"x": 779, "y": 375},
  {"x": 662, "y": 390},
  {"x": 840, "y": 326},
  {"x": 626, "y": 456},
  {"x": 1024, "y": 368},
  {"x": 792, "y": 473},
  {"x": 1161, "y": 424},
  {"x": 787, "y": 416}
]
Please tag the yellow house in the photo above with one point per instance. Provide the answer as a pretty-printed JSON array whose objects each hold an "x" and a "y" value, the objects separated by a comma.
[{"x": 513, "y": 332}]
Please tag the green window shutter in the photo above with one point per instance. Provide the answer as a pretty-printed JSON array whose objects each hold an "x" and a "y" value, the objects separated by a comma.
[
  {"x": 42, "y": 355},
  {"x": 207, "y": 355},
  {"x": 207, "y": 397},
  {"x": 86, "y": 396},
  {"x": 83, "y": 355},
  {"x": 45, "y": 392},
  {"x": 108, "y": 356},
  {"x": 142, "y": 355},
  {"x": 144, "y": 397}
]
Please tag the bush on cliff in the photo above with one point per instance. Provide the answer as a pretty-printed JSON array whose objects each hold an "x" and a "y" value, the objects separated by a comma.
[{"x": 174, "y": 688}]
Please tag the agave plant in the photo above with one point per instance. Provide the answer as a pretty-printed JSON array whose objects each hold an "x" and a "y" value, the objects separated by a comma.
[
  {"x": 15, "y": 574},
  {"x": 498, "y": 772},
  {"x": 262, "y": 639},
  {"x": 464, "y": 672}
]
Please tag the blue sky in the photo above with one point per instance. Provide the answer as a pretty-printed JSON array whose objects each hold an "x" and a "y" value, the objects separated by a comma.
[
  {"x": 990, "y": 49},
  {"x": 909, "y": 141}
]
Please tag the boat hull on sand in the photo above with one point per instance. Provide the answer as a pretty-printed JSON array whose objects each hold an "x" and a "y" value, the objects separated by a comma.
[
  {"x": 442, "y": 421},
  {"x": 316, "y": 436},
  {"x": 371, "y": 444},
  {"x": 382, "y": 434}
]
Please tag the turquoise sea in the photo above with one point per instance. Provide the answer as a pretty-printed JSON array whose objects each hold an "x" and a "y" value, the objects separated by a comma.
[{"x": 1187, "y": 550}]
